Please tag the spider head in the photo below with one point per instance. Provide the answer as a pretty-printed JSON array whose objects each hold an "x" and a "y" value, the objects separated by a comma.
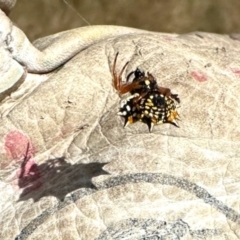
[
  {"x": 143, "y": 83},
  {"x": 138, "y": 73}
]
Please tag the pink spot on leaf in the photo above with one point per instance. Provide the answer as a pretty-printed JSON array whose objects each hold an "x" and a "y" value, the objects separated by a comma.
[
  {"x": 199, "y": 76},
  {"x": 236, "y": 71},
  {"x": 19, "y": 148},
  {"x": 16, "y": 144}
]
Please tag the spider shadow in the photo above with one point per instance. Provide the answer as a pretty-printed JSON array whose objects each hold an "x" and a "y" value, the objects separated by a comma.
[{"x": 57, "y": 178}]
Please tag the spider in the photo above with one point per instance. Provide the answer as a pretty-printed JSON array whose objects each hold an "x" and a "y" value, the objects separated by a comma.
[{"x": 148, "y": 102}]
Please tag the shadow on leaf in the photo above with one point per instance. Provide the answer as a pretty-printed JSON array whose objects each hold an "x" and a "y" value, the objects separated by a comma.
[{"x": 56, "y": 178}]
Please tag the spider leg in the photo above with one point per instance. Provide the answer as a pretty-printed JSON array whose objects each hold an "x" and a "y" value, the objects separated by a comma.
[
  {"x": 137, "y": 74},
  {"x": 128, "y": 87},
  {"x": 129, "y": 75},
  {"x": 114, "y": 73},
  {"x": 138, "y": 98},
  {"x": 117, "y": 79},
  {"x": 151, "y": 77},
  {"x": 167, "y": 92}
]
